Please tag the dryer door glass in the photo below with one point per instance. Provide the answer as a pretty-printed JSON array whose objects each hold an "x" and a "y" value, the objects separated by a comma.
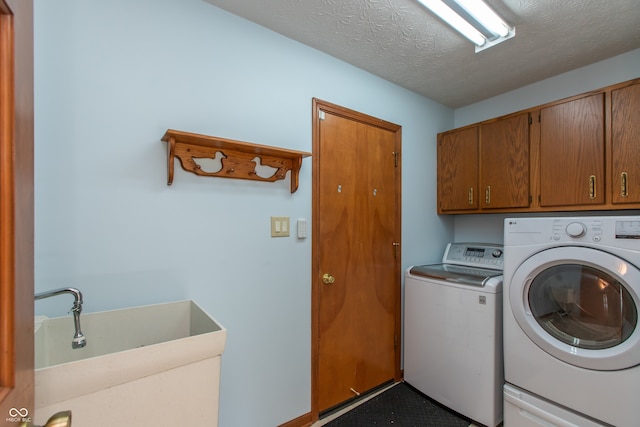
[{"x": 582, "y": 306}]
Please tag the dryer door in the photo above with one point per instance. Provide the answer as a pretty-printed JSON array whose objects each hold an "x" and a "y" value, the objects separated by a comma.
[{"x": 580, "y": 305}]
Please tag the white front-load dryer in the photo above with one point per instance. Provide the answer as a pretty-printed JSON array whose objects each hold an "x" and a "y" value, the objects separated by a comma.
[{"x": 571, "y": 306}]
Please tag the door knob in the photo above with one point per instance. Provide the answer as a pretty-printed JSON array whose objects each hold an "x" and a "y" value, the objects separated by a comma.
[{"x": 328, "y": 279}]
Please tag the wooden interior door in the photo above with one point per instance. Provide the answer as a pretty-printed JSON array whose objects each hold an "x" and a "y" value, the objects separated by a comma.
[
  {"x": 16, "y": 210},
  {"x": 356, "y": 254}
]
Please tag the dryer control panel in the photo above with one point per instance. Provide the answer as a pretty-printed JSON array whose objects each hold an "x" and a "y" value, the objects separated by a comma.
[
  {"x": 623, "y": 228},
  {"x": 615, "y": 231},
  {"x": 484, "y": 255}
]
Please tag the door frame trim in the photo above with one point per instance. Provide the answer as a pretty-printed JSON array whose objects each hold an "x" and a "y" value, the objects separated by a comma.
[
  {"x": 16, "y": 205},
  {"x": 318, "y": 106}
]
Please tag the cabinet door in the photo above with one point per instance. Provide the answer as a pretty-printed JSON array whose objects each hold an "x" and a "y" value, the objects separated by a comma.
[
  {"x": 458, "y": 170},
  {"x": 504, "y": 163},
  {"x": 625, "y": 144},
  {"x": 572, "y": 152}
]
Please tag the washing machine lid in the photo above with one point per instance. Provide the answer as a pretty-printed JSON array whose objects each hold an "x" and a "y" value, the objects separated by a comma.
[
  {"x": 580, "y": 305},
  {"x": 459, "y": 274}
]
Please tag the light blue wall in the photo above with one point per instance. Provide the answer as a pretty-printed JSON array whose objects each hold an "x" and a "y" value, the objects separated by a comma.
[
  {"x": 111, "y": 77},
  {"x": 595, "y": 76},
  {"x": 489, "y": 228}
]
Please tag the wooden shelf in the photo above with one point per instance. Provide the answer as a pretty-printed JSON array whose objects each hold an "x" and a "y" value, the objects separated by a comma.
[{"x": 237, "y": 159}]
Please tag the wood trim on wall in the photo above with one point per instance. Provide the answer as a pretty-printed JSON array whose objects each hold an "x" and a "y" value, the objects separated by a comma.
[
  {"x": 7, "y": 275},
  {"x": 302, "y": 421},
  {"x": 16, "y": 206}
]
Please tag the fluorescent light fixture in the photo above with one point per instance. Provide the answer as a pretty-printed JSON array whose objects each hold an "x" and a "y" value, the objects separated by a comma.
[
  {"x": 456, "y": 21},
  {"x": 484, "y": 29},
  {"x": 485, "y": 16}
]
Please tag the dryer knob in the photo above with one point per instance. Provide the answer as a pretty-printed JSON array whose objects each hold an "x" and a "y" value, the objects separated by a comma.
[{"x": 576, "y": 229}]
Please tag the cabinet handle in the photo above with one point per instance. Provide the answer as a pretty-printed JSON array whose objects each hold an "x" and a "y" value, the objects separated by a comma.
[
  {"x": 487, "y": 195},
  {"x": 470, "y": 195},
  {"x": 624, "y": 191},
  {"x": 592, "y": 187}
]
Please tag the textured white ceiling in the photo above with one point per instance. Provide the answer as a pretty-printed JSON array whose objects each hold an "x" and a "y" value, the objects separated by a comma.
[{"x": 400, "y": 41}]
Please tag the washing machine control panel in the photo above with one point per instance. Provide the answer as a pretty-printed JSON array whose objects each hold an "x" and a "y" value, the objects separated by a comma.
[
  {"x": 592, "y": 230},
  {"x": 576, "y": 229},
  {"x": 484, "y": 255},
  {"x": 616, "y": 231},
  {"x": 621, "y": 232},
  {"x": 568, "y": 229},
  {"x": 628, "y": 229}
]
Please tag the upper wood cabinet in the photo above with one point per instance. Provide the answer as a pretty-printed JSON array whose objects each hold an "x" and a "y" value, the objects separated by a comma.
[
  {"x": 458, "y": 170},
  {"x": 580, "y": 153},
  {"x": 572, "y": 152},
  {"x": 484, "y": 167},
  {"x": 504, "y": 162},
  {"x": 625, "y": 144}
]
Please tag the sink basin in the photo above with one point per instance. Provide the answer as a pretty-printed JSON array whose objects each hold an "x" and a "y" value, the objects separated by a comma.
[{"x": 152, "y": 364}]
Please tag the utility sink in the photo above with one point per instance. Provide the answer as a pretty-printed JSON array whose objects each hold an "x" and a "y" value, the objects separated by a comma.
[{"x": 151, "y": 364}]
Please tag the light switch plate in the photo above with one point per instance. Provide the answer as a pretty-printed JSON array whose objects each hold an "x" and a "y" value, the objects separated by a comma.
[
  {"x": 280, "y": 226},
  {"x": 302, "y": 228}
]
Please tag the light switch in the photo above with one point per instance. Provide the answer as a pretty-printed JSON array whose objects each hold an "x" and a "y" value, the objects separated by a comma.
[
  {"x": 302, "y": 228},
  {"x": 279, "y": 226}
]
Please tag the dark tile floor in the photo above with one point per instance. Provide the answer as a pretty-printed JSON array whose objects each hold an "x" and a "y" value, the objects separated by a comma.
[{"x": 399, "y": 405}]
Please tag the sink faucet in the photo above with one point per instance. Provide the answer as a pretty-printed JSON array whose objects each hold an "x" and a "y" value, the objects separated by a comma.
[{"x": 79, "y": 340}]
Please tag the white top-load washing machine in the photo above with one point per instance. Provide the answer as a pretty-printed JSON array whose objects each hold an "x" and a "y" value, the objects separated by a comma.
[
  {"x": 571, "y": 336},
  {"x": 453, "y": 330}
]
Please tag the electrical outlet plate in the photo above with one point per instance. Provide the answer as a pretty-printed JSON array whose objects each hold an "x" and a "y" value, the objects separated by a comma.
[{"x": 280, "y": 226}]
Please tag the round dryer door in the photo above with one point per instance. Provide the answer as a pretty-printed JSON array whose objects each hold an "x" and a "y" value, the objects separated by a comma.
[{"x": 580, "y": 305}]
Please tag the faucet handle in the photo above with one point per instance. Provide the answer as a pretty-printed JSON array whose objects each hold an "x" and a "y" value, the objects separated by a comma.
[{"x": 61, "y": 419}]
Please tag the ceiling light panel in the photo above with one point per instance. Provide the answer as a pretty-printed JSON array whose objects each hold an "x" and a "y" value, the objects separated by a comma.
[
  {"x": 474, "y": 19},
  {"x": 449, "y": 16},
  {"x": 482, "y": 13}
]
